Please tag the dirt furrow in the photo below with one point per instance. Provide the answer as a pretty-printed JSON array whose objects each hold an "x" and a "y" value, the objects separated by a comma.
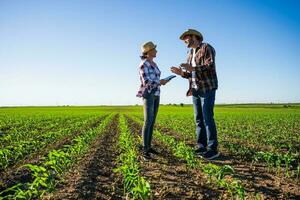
[
  {"x": 16, "y": 174},
  {"x": 93, "y": 177},
  {"x": 255, "y": 176},
  {"x": 168, "y": 176}
]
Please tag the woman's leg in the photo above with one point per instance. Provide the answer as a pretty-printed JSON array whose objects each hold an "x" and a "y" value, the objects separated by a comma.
[
  {"x": 155, "y": 111},
  {"x": 148, "y": 119}
]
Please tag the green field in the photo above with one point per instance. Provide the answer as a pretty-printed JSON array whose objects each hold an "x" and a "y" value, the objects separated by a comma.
[{"x": 93, "y": 153}]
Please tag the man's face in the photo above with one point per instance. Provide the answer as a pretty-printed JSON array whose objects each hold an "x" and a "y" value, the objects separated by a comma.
[{"x": 189, "y": 41}]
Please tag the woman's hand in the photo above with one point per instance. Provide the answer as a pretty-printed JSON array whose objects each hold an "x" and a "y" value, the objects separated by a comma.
[
  {"x": 163, "y": 81},
  {"x": 176, "y": 70}
]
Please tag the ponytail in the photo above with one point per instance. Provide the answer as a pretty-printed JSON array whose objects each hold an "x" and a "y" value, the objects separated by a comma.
[{"x": 144, "y": 56}]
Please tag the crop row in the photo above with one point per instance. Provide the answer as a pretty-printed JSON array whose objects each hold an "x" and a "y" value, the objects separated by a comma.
[
  {"x": 272, "y": 132},
  {"x": 48, "y": 173},
  {"x": 274, "y": 159},
  {"x": 135, "y": 186},
  {"x": 216, "y": 174},
  {"x": 12, "y": 153},
  {"x": 35, "y": 129}
]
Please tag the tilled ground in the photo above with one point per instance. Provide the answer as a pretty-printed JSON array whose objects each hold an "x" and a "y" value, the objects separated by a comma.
[
  {"x": 16, "y": 174},
  {"x": 93, "y": 177},
  {"x": 169, "y": 177},
  {"x": 255, "y": 177}
]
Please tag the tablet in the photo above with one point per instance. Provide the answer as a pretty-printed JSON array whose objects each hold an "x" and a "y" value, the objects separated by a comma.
[{"x": 169, "y": 77}]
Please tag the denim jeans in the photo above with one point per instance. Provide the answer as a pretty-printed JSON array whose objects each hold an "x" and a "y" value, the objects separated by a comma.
[
  {"x": 206, "y": 131},
  {"x": 151, "y": 105}
]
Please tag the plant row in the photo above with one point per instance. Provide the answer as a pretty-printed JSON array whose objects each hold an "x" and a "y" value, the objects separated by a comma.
[
  {"x": 35, "y": 129},
  {"x": 47, "y": 174},
  {"x": 215, "y": 173},
  {"x": 274, "y": 159},
  {"x": 11, "y": 154},
  {"x": 135, "y": 186}
]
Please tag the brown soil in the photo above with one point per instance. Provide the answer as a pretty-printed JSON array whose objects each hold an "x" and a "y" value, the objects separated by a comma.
[
  {"x": 255, "y": 177},
  {"x": 16, "y": 174},
  {"x": 93, "y": 177},
  {"x": 169, "y": 177}
]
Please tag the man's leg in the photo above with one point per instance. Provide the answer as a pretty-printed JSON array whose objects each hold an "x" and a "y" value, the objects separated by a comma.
[
  {"x": 208, "y": 102},
  {"x": 200, "y": 128}
]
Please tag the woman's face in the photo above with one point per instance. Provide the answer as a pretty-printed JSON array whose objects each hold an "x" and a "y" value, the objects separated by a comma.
[{"x": 152, "y": 53}]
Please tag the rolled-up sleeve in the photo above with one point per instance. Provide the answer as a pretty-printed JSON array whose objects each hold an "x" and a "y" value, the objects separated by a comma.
[{"x": 185, "y": 74}]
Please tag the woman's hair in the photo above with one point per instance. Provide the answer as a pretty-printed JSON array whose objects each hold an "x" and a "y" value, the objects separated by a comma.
[{"x": 144, "y": 56}]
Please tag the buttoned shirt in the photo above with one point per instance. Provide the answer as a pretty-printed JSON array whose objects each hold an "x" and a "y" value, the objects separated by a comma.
[
  {"x": 205, "y": 69},
  {"x": 149, "y": 77}
]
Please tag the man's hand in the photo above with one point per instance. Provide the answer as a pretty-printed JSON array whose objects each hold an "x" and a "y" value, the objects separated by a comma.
[
  {"x": 176, "y": 70},
  {"x": 187, "y": 67},
  {"x": 163, "y": 81}
]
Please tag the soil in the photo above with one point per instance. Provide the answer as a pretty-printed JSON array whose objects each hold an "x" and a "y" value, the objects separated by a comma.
[
  {"x": 255, "y": 177},
  {"x": 169, "y": 177},
  {"x": 93, "y": 177},
  {"x": 17, "y": 174}
]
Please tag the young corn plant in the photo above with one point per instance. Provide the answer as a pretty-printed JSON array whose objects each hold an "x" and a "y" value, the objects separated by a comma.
[
  {"x": 216, "y": 174},
  {"x": 48, "y": 173},
  {"x": 135, "y": 186},
  {"x": 288, "y": 159},
  {"x": 298, "y": 171}
]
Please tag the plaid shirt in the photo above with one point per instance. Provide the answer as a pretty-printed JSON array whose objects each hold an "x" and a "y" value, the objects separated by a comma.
[
  {"x": 149, "y": 77},
  {"x": 206, "y": 76}
]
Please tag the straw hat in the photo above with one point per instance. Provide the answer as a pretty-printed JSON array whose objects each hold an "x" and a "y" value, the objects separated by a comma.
[
  {"x": 191, "y": 32},
  {"x": 146, "y": 47}
]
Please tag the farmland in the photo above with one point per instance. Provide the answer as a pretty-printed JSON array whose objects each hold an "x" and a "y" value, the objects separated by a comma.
[{"x": 94, "y": 153}]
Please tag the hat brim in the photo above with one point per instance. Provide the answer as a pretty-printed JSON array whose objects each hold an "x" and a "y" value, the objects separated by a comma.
[
  {"x": 190, "y": 33},
  {"x": 183, "y": 35}
]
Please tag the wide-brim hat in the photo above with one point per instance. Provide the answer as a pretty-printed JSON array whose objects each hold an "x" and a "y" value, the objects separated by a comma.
[
  {"x": 191, "y": 32},
  {"x": 147, "y": 46}
]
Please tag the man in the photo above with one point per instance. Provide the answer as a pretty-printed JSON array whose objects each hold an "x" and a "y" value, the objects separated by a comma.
[{"x": 200, "y": 70}]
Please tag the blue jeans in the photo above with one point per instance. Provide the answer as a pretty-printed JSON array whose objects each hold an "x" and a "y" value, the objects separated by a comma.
[
  {"x": 151, "y": 105},
  {"x": 204, "y": 118}
]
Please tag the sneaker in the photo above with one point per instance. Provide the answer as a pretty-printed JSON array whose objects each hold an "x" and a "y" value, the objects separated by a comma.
[
  {"x": 200, "y": 151},
  {"x": 151, "y": 150},
  {"x": 211, "y": 154},
  {"x": 146, "y": 156}
]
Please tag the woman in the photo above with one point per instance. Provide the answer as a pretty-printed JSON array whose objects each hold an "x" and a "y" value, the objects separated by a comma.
[{"x": 149, "y": 91}]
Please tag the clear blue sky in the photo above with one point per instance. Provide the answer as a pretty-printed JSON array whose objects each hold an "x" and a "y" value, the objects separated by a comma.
[{"x": 87, "y": 52}]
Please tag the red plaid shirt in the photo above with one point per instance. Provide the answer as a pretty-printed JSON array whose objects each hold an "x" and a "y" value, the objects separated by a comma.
[
  {"x": 149, "y": 77},
  {"x": 206, "y": 76}
]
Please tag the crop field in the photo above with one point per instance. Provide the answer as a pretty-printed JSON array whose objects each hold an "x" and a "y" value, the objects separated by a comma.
[{"x": 95, "y": 153}]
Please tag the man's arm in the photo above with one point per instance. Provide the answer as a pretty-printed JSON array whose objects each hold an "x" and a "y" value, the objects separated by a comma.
[
  {"x": 209, "y": 60},
  {"x": 185, "y": 74},
  {"x": 178, "y": 71}
]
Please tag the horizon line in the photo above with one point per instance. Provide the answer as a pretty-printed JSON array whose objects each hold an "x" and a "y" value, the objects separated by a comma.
[{"x": 169, "y": 104}]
